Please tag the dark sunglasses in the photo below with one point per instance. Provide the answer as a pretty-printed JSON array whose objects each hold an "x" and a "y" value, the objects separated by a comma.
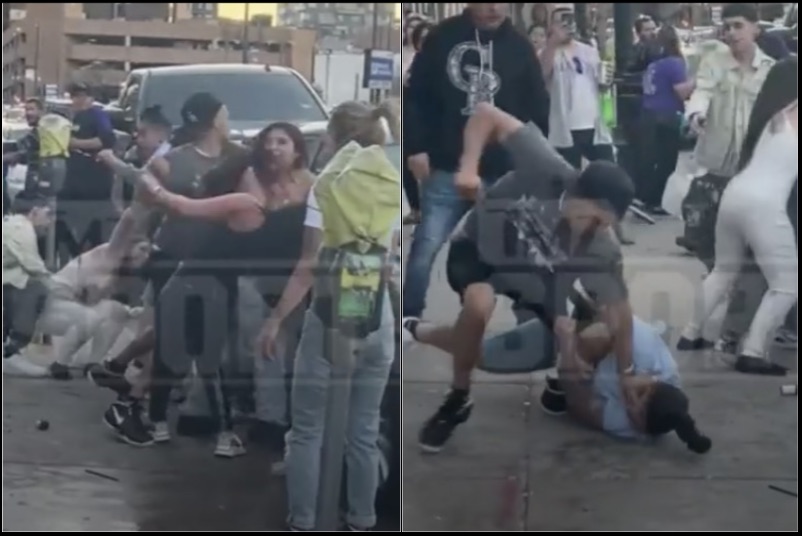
[{"x": 578, "y": 65}]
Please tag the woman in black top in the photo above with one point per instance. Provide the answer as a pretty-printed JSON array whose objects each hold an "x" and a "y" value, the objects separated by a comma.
[{"x": 252, "y": 228}]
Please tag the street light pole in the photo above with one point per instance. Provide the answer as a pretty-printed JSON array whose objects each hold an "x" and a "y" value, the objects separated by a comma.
[
  {"x": 246, "y": 45},
  {"x": 375, "y": 94},
  {"x": 36, "y": 61}
]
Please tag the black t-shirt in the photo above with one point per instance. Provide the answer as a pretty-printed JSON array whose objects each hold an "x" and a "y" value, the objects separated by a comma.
[
  {"x": 88, "y": 179},
  {"x": 518, "y": 230}
]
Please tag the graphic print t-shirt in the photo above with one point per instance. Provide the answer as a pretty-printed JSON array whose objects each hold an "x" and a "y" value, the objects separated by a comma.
[{"x": 517, "y": 228}]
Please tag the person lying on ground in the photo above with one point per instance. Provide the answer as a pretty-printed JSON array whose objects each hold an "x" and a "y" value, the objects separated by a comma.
[
  {"x": 537, "y": 231},
  {"x": 588, "y": 390},
  {"x": 77, "y": 303}
]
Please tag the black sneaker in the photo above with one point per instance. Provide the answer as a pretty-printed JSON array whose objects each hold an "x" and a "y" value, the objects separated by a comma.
[
  {"x": 267, "y": 434},
  {"x": 553, "y": 384},
  {"x": 455, "y": 410},
  {"x": 133, "y": 429},
  {"x": 685, "y": 344},
  {"x": 108, "y": 375},
  {"x": 747, "y": 364},
  {"x": 60, "y": 372},
  {"x": 553, "y": 402},
  {"x": 114, "y": 416}
]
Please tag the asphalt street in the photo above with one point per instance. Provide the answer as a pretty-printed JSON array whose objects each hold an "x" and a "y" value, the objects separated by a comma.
[{"x": 511, "y": 467}]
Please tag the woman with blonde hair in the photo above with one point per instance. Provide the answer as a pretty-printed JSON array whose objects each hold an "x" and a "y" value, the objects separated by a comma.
[{"x": 367, "y": 127}]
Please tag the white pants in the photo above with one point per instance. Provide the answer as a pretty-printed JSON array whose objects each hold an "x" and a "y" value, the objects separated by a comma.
[
  {"x": 744, "y": 224},
  {"x": 78, "y": 324}
]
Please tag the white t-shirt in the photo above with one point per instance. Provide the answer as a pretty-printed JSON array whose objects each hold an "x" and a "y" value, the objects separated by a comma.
[
  {"x": 314, "y": 217},
  {"x": 585, "y": 106}
]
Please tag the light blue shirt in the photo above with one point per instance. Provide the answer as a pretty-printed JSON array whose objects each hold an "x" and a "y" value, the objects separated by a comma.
[{"x": 651, "y": 356}]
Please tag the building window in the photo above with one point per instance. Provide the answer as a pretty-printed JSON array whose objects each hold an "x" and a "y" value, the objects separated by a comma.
[{"x": 205, "y": 10}]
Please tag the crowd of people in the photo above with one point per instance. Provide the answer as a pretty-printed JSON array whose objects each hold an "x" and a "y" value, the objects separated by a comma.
[
  {"x": 217, "y": 261},
  {"x": 514, "y": 165},
  {"x": 220, "y": 257}
]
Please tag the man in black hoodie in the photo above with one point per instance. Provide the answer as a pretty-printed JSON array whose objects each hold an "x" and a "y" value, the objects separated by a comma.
[{"x": 467, "y": 59}]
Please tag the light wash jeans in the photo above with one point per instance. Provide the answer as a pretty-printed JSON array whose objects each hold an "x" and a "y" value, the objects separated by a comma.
[
  {"x": 309, "y": 399},
  {"x": 442, "y": 208},
  {"x": 526, "y": 348}
]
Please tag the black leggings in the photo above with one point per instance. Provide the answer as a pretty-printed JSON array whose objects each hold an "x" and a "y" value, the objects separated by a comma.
[
  {"x": 195, "y": 318},
  {"x": 21, "y": 310}
]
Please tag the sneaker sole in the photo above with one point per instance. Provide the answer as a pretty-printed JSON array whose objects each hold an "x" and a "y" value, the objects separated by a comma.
[
  {"x": 429, "y": 449},
  {"x": 551, "y": 412},
  {"x": 128, "y": 441},
  {"x": 235, "y": 453},
  {"x": 161, "y": 439},
  {"x": 113, "y": 428}
]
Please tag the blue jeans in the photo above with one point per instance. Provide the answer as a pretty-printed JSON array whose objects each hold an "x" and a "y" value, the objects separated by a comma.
[
  {"x": 305, "y": 439},
  {"x": 442, "y": 208},
  {"x": 526, "y": 348}
]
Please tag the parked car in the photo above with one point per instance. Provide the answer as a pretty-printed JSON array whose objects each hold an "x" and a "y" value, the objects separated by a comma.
[{"x": 255, "y": 95}]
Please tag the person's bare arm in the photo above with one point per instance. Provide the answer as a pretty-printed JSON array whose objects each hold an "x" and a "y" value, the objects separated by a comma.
[
  {"x": 488, "y": 124},
  {"x": 618, "y": 317},
  {"x": 302, "y": 276},
  {"x": 547, "y": 56},
  {"x": 121, "y": 237},
  {"x": 222, "y": 208},
  {"x": 577, "y": 386}
]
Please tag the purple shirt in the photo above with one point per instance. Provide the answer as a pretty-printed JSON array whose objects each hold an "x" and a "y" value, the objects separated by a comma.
[{"x": 659, "y": 80}]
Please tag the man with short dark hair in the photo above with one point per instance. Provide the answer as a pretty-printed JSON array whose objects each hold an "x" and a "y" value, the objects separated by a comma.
[
  {"x": 85, "y": 201},
  {"x": 25, "y": 280},
  {"x": 542, "y": 229},
  {"x": 28, "y": 146},
  {"x": 727, "y": 83},
  {"x": 646, "y": 49}
]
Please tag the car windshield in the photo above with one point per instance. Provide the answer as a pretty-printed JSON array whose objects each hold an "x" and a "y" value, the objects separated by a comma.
[{"x": 249, "y": 96}]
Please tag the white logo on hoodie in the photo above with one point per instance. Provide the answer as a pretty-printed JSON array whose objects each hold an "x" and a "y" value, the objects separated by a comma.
[{"x": 480, "y": 83}]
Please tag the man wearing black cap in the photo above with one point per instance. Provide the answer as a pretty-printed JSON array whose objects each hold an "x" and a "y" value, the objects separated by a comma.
[
  {"x": 85, "y": 201},
  {"x": 539, "y": 233}
]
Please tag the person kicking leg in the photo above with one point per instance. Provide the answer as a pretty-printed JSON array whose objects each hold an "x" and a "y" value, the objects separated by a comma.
[{"x": 555, "y": 227}]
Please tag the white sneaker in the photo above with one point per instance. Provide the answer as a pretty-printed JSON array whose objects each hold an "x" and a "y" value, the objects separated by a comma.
[
  {"x": 161, "y": 432},
  {"x": 18, "y": 365},
  {"x": 229, "y": 445},
  {"x": 407, "y": 338}
]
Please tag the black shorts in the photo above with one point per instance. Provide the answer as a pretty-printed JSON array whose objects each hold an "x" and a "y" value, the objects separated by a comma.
[{"x": 465, "y": 267}]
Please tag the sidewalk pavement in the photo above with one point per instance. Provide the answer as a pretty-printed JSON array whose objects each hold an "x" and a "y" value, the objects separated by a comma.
[
  {"x": 511, "y": 467},
  {"x": 76, "y": 476}
]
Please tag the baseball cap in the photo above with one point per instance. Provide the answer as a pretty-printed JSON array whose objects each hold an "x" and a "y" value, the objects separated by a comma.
[{"x": 607, "y": 184}]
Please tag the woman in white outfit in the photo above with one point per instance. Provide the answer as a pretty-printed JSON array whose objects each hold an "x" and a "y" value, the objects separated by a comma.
[{"x": 753, "y": 216}]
